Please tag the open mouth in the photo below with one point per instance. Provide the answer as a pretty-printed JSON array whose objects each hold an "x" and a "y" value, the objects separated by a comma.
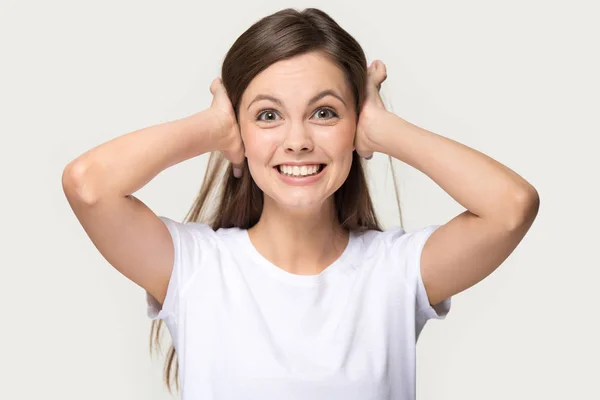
[{"x": 300, "y": 171}]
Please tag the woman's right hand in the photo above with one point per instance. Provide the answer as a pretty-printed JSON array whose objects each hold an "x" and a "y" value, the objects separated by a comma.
[{"x": 228, "y": 138}]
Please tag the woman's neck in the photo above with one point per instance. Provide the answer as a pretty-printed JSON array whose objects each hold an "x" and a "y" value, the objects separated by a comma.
[{"x": 300, "y": 242}]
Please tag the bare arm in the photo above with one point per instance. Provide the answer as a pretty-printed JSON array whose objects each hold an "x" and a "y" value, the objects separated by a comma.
[
  {"x": 99, "y": 186},
  {"x": 501, "y": 206},
  {"x": 125, "y": 164}
]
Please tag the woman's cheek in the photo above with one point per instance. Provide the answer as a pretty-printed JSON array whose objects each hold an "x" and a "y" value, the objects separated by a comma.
[
  {"x": 340, "y": 140},
  {"x": 258, "y": 145},
  {"x": 249, "y": 137}
]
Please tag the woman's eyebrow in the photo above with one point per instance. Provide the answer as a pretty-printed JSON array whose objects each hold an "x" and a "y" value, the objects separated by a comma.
[{"x": 314, "y": 99}]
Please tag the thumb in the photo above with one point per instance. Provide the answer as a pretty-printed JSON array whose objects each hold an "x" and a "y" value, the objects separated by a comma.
[
  {"x": 216, "y": 84},
  {"x": 359, "y": 146},
  {"x": 217, "y": 89},
  {"x": 236, "y": 153},
  {"x": 376, "y": 75},
  {"x": 237, "y": 159},
  {"x": 367, "y": 155}
]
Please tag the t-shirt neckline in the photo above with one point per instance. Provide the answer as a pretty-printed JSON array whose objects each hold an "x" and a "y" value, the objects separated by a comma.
[{"x": 338, "y": 266}]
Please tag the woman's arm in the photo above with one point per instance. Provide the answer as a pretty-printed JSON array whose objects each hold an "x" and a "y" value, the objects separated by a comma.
[
  {"x": 99, "y": 186},
  {"x": 125, "y": 164},
  {"x": 479, "y": 183},
  {"x": 99, "y": 183},
  {"x": 501, "y": 205}
]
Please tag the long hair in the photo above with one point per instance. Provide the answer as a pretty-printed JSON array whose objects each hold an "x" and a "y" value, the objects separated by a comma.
[{"x": 225, "y": 201}]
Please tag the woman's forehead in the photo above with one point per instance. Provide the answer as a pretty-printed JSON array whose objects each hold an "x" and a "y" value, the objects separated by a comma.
[{"x": 298, "y": 78}]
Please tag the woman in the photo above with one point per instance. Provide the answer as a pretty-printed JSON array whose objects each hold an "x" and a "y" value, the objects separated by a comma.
[{"x": 287, "y": 288}]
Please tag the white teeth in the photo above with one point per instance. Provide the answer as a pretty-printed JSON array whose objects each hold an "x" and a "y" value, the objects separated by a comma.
[{"x": 295, "y": 170}]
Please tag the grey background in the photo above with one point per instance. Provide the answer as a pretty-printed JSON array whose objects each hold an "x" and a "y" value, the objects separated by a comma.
[{"x": 517, "y": 80}]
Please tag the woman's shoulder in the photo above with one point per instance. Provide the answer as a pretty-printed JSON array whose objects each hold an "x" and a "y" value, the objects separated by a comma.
[
  {"x": 199, "y": 232},
  {"x": 391, "y": 237},
  {"x": 369, "y": 236}
]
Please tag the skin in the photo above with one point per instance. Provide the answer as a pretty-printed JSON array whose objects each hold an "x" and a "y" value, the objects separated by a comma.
[
  {"x": 500, "y": 205},
  {"x": 298, "y": 230}
]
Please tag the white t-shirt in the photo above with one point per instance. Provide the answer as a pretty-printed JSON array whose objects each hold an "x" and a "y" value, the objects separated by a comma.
[{"x": 246, "y": 329}]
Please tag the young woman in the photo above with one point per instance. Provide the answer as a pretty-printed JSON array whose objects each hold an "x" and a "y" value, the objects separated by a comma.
[{"x": 283, "y": 285}]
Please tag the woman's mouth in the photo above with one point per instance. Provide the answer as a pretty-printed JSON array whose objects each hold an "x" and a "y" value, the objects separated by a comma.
[{"x": 300, "y": 171}]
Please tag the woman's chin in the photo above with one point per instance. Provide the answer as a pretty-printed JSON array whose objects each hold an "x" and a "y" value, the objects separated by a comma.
[{"x": 301, "y": 204}]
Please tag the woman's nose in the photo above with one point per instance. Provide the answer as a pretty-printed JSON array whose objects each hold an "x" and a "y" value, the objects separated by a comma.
[{"x": 298, "y": 139}]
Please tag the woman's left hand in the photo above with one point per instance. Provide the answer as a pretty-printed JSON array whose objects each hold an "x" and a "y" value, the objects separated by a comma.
[{"x": 371, "y": 112}]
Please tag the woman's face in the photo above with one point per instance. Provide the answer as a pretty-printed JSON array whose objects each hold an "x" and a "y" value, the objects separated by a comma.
[{"x": 298, "y": 121}]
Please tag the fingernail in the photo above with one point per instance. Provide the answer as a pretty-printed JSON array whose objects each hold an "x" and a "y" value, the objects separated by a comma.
[{"x": 237, "y": 172}]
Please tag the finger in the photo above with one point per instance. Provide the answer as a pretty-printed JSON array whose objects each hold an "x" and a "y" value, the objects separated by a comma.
[
  {"x": 238, "y": 171},
  {"x": 373, "y": 95},
  {"x": 237, "y": 155},
  {"x": 366, "y": 154},
  {"x": 237, "y": 160},
  {"x": 214, "y": 86},
  {"x": 376, "y": 76},
  {"x": 377, "y": 73}
]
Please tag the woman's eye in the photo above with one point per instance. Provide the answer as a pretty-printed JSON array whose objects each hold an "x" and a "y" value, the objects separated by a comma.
[
  {"x": 323, "y": 113},
  {"x": 269, "y": 115}
]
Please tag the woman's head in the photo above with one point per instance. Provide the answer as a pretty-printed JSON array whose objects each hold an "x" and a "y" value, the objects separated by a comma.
[
  {"x": 291, "y": 57},
  {"x": 271, "y": 74},
  {"x": 288, "y": 33},
  {"x": 298, "y": 117},
  {"x": 297, "y": 82}
]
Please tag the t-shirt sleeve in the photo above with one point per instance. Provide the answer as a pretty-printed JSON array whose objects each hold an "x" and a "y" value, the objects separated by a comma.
[
  {"x": 188, "y": 240},
  {"x": 425, "y": 310},
  {"x": 410, "y": 245}
]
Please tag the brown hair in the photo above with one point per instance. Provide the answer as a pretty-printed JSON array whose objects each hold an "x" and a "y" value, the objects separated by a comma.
[{"x": 225, "y": 201}]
